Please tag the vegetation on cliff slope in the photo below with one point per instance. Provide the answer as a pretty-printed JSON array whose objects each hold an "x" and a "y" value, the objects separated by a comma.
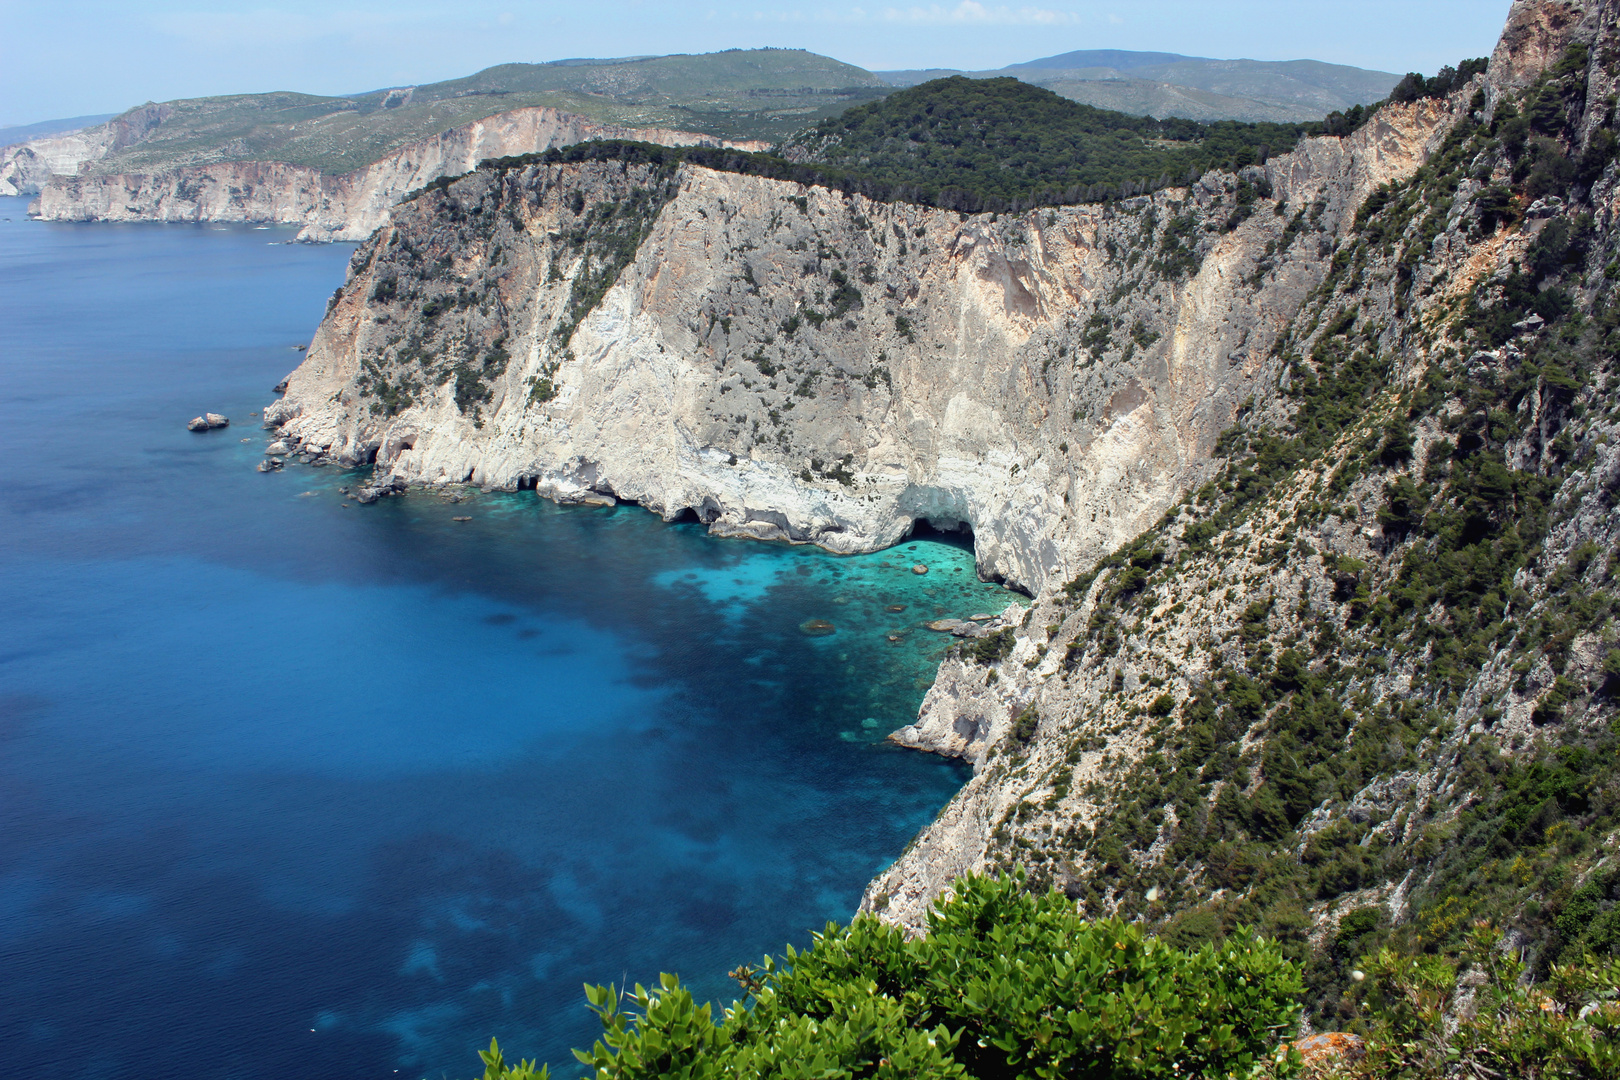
[
  {"x": 1412, "y": 543},
  {"x": 1006, "y": 984},
  {"x": 1013, "y": 984}
]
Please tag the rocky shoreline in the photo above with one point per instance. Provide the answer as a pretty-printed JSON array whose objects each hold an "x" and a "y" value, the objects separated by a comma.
[{"x": 63, "y": 173}]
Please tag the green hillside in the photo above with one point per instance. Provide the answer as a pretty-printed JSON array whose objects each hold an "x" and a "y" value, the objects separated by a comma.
[
  {"x": 741, "y": 94},
  {"x": 987, "y": 143}
]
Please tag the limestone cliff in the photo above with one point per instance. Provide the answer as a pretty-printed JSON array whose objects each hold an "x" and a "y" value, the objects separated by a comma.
[
  {"x": 27, "y": 167},
  {"x": 793, "y": 363},
  {"x": 341, "y": 207}
]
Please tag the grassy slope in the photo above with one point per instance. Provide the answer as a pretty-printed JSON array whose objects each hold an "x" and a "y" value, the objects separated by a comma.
[{"x": 739, "y": 94}]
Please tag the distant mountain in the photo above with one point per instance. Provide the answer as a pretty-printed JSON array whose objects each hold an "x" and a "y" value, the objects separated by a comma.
[
  {"x": 1194, "y": 88},
  {"x": 1118, "y": 59},
  {"x": 20, "y": 133}
]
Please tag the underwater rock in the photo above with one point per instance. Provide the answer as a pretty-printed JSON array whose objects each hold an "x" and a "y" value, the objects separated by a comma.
[
  {"x": 919, "y": 569},
  {"x": 817, "y": 628},
  {"x": 269, "y": 465}
]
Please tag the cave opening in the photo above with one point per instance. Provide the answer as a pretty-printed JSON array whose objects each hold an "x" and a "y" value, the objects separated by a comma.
[{"x": 958, "y": 534}]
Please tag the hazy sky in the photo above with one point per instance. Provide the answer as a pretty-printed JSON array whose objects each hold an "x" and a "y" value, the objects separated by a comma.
[{"x": 73, "y": 57}]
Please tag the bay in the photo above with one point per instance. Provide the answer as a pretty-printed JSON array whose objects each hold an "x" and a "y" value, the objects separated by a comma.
[{"x": 290, "y": 787}]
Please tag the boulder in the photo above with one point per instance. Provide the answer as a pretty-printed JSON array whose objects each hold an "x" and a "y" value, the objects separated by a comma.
[
  {"x": 1331, "y": 1047},
  {"x": 379, "y": 486},
  {"x": 207, "y": 422},
  {"x": 269, "y": 465}
]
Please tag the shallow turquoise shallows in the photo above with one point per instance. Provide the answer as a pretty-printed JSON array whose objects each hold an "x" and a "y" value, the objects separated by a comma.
[{"x": 290, "y": 788}]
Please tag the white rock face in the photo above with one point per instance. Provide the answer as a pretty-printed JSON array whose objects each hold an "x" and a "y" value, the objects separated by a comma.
[
  {"x": 1006, "y": 373},
  {"x": 344, "y": 207},
  {"x": 27, "y": 167}
]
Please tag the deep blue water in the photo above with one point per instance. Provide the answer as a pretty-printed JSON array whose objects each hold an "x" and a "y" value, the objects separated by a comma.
[{"x": 291, "y": 788}]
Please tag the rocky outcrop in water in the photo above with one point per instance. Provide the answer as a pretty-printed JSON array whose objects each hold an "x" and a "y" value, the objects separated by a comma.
[{"x": 342, "y": 207}]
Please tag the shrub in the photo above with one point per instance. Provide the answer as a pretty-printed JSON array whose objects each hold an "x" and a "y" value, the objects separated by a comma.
[
  {"x": 1006, "y": 984},
  {"x": 1565, "y": 1027},
  {"x": 991, "y": 649}
]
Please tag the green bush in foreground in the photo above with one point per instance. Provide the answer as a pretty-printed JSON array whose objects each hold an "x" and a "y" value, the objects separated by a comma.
[{"x": 1006, "y": 984}]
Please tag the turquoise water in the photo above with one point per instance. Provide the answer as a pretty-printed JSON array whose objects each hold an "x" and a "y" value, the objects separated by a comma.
[{"x": 294, "y": 788}]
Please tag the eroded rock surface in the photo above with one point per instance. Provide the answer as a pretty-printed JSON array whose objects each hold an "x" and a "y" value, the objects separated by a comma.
[
  {"x": 349, "y": 206},
  {"x": 794, "y": 363}
]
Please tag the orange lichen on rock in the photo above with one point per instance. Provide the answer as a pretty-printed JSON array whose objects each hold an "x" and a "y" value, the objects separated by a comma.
[{"x": 1329, "y": 1049}]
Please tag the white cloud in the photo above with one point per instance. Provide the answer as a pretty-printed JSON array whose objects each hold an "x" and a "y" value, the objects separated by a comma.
[{"x": 971, "y": 12}]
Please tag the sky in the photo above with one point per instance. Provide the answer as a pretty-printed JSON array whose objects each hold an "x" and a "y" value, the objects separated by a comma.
[{"x": 62, "y": 58}]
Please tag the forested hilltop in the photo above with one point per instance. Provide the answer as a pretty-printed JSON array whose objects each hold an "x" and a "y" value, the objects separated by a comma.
[{"x": 1000, "y": 143}]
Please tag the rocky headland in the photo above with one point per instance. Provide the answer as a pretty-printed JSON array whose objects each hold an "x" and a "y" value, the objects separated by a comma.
[{"x": 346, "y": 206}]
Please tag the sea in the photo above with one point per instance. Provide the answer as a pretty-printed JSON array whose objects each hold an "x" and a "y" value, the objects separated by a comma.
[{"x": 293, "y": 787}]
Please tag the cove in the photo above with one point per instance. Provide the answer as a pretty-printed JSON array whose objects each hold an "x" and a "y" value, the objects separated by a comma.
[{"x": 290, "y": 787}]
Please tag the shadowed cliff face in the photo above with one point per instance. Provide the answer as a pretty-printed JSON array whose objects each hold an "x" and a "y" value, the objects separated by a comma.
[{"x": 792, "y": 363}]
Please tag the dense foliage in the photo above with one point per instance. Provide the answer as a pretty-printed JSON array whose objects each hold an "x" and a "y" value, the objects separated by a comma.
[
  {"x": 1449, "y": 79},
  {"x": 974, "y": 144},
  {"x": 1014, "y": 984},
  {"x": 1428, "y": 1016},
  {"x": 1007, "y": 983}
]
